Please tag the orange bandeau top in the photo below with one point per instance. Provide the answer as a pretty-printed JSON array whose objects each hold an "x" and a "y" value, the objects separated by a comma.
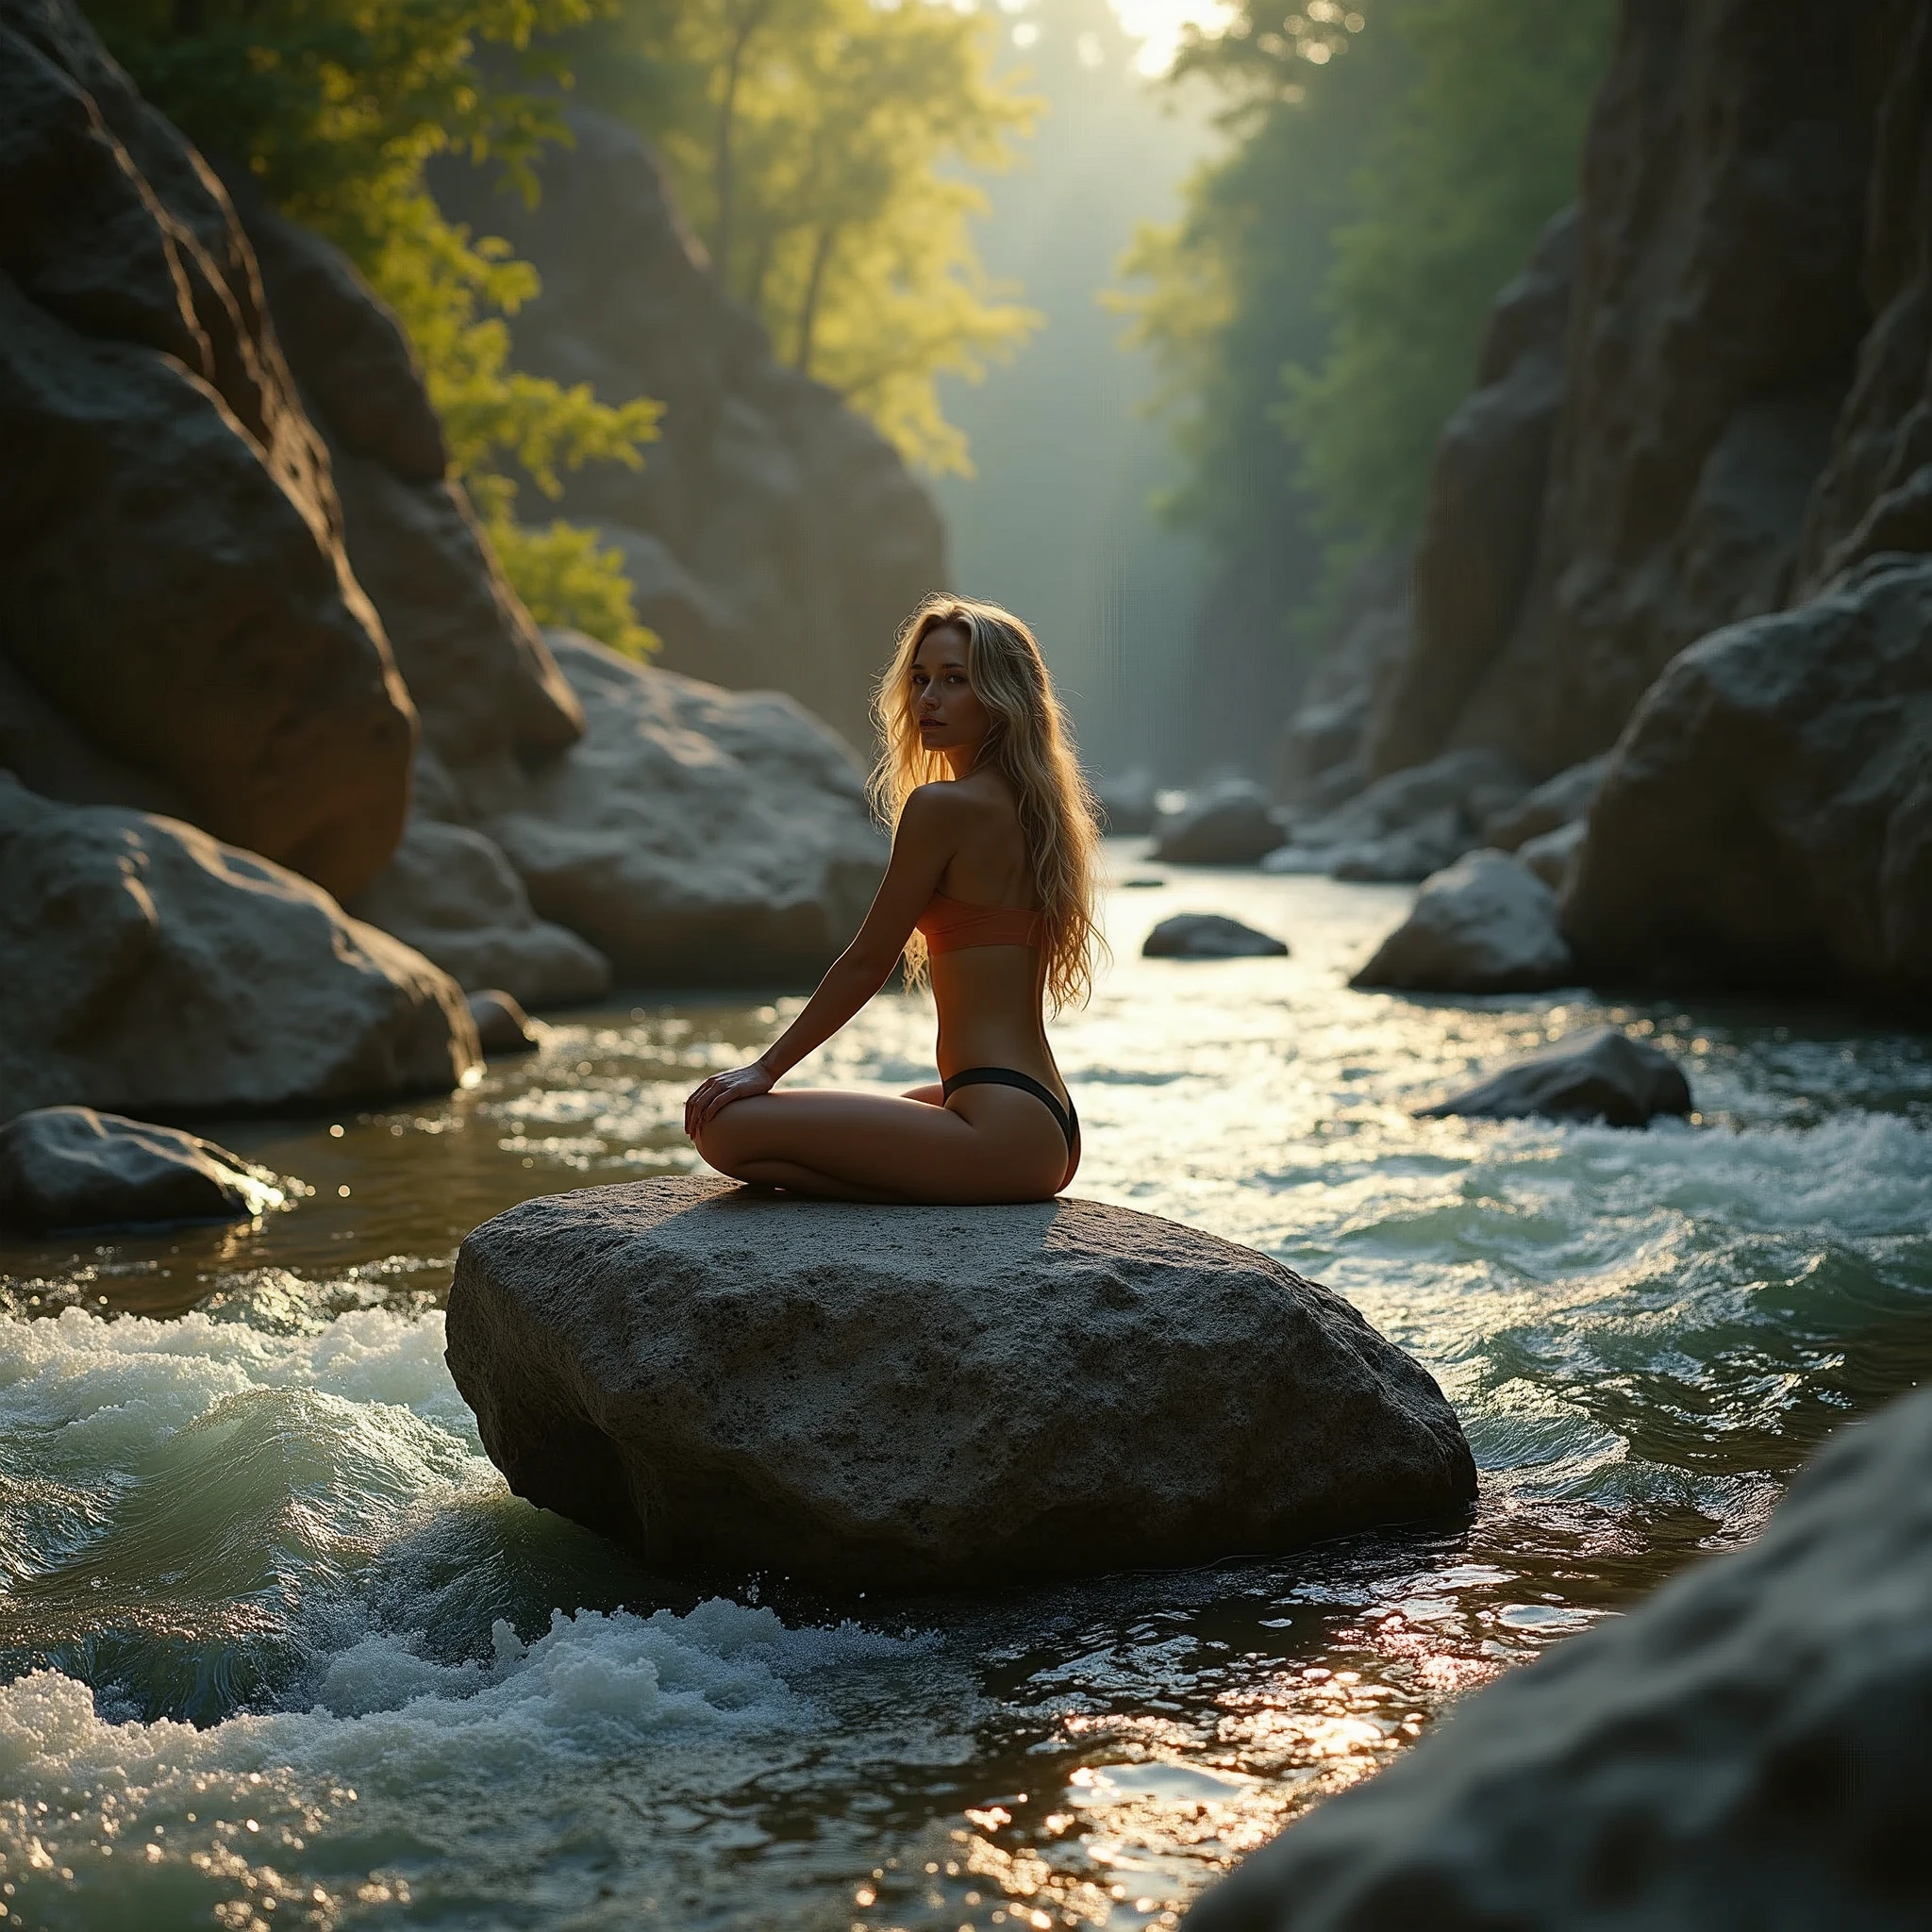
[{"x": 951, "y": 925}]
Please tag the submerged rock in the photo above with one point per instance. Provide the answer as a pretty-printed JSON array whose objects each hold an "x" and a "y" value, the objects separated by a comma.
[
  {"x": 147, "y": 967},
  {"x": 912, "y": 1396},
  {"x": 695, "y": 835},
  {"x": 69, "y": 1167},
  {"x": 1230, "y": 824},
  {"x": 1210, "y": 936},
  {"x": 1747, "y": 1749},
  {"x": 1485, "y": 925},
  {"x": 1602, "y": 1074}
]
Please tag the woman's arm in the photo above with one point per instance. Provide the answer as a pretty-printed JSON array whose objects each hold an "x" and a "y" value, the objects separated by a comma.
[{"x": 922, "y": 848}]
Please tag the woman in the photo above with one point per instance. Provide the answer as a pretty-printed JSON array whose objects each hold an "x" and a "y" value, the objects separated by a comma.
[{"x": 991, "y": 891}]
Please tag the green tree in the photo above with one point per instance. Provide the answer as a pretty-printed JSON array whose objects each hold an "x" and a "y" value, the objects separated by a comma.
[
  {"x": 336, "y": 105},
  {"x": 820, "y": 148}
]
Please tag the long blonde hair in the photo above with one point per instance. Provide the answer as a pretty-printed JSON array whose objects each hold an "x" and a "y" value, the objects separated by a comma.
[{"x": 1031, "y": 745}]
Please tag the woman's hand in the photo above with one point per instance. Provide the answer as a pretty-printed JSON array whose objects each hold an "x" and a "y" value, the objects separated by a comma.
[{"x": 721, "y": 1090}]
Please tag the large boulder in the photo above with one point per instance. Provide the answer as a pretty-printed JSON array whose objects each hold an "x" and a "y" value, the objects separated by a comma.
[
  {"x": 1749, "y": 1749},
  {"x": 146, "y": 967},
  {"x": 452, "y": 895},
  {"x": 1484, "y": 924},
  {"x": 780, "y": 539},
  {"x": 1228, "y": 823},
  {"x": 1210, "y": 936},
  {"x": 171, "y": 550},
  {"x": 913, "y": 1396},
  {"x": 1599, "y": 1074},
  {"x": 69, "y": 1167},
  {"x": 1767, "y": 818},
  {"x": 695, "y": 835}
]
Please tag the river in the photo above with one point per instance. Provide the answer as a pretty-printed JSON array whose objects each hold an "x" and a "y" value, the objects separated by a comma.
[{"x": 278, "y": 1648}]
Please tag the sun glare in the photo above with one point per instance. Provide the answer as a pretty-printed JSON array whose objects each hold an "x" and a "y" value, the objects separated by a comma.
[{"x": 1158, "y": 25}]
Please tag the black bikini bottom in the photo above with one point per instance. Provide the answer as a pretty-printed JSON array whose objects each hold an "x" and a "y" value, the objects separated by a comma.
[{"x": 1068, "y": 1116}]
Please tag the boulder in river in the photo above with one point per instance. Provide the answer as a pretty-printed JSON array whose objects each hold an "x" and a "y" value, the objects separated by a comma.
[
  {"x": 69, "y": 1167},
  {"x": 1210, "y": 936},
  {"x": 1746, "y": 1749},
  {"x": 1128, "y": 809},
  {"x": 916, "y": 1397},
  {"x": 1600, "y": 1074},
  {"x": 1409, "y": 824},
  {"x": 1484, "y": 924},
  {"x": 1229, "y": 823},
  {"x": 1766, "y": 820},
  {"x": 1552, "y": 856},
  {"x": 1556, "y": 803},
  {"x": 145, "y": 966},
  {"x": 695, "y": 835}
]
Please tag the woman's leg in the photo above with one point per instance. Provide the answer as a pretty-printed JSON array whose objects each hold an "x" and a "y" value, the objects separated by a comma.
[{"x": 989, "y": 1144}]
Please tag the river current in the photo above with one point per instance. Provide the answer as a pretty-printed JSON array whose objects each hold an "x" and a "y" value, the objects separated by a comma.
[{"x": 278, "y": 1648}]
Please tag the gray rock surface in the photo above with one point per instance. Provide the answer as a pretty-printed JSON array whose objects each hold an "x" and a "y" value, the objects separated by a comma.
[
  {"x": 1552, "y": 856},
  {"x": 782, "y": 541},
  {"x": 452, "y": 895},
  {"x": 170, "y": 553},
  {"x": 1766, "y": 820},
  {"x": 1484, "y": 924},
  {"x": 1126, "y": 803},
  {"x": 1230, "y": 822},
  {"x": 1747, "y": 1751},
  {"x": 69, "y": 1167},
  {"x": 502, "y": 1025},
  {"x": 1210, "y": 936},
  {"x": 1436, "y": 839},
  {"x": 913, "y": 1396},
  {"x": 1407, "y": 824},
  {"x": 148, "y": 968},
  {"x": 1600, "y": 1074},
  {"x": 1556, "y": 803},
  {"x": 695, "y": 835}
]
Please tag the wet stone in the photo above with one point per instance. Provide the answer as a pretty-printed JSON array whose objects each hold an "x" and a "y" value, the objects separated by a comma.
[
  {"x": 1210, "y": 936},
  {"x": 1601, "y": 1075},
  {"x": 906, "y": 1397}
]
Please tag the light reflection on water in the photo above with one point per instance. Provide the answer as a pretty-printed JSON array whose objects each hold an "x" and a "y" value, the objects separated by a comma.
[{"x": 270, "y": 1520}]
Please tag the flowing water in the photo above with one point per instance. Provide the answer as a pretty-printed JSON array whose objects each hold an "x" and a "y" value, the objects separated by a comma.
[{"x": 277, "y": 1648}]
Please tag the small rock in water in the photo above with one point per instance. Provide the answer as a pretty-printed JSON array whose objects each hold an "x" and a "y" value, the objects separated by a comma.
[
  {"x": 914, "y": 1396},
  {"x": 1231, "y": 824},
  {"x": 502, "y": 1025},
  {"x": 1208, "y": 935},
  {"x": 1141, "y": 882},
  {"x": 1484, "y": 924},
  {"x": 1746, "y": 1749},
  {"x": 1602, "y": 1074},
  {"x": 69, "y": 1167}
]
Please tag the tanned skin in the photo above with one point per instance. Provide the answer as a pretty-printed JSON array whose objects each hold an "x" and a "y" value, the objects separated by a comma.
[{"x": 960, "y": 837}]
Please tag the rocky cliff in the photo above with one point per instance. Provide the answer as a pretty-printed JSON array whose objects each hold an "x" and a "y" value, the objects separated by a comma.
[
  {"x": 256, "y": 657},
  {"x": 773, "y": 537}
]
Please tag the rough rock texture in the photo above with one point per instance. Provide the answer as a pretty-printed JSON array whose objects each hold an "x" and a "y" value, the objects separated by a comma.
[
  {"x": 146, "y": 967},
  {"x": 1229, "y": 823},
  {"x": 1407, "y": 824},
  {"x": 452, "y": 895},
  {"x": 1599, "y": 1074},
  {"x": 1556, "y": 803},
  {"x": 1721, "y": 231},
  {"x": 1486, "y": 494},
  {"x": 695, "y": 835},
  {"x": 1748, "y": 1750},
  {"x": 64, "y": 1167},
  {"x": 1767, "y": 817},
  {"x": 171, "y": 555},
  {"x": 1485, "y": 925},
  {"x": 1210, "y": 936},
  {"x": 1319, "y": 759},
  {"x": 477, "y": 665},
  {"x": 773, "y": 537},
  {"x": 906, "y": 1396}
]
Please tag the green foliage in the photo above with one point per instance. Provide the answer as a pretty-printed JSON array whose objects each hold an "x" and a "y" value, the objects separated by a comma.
[
  {"x": 1481, "y": 151},
  {"x": 336, "y": 105},
  {"x": 819, "y": 148},
  {"x": 1317, "y": 310}
]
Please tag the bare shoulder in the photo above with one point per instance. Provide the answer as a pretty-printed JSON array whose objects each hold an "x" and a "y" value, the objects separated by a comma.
[{"x": 934, "y": 815}]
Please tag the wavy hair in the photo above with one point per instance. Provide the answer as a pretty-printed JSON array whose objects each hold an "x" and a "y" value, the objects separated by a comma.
[{"x": 1030, "y": 744}]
